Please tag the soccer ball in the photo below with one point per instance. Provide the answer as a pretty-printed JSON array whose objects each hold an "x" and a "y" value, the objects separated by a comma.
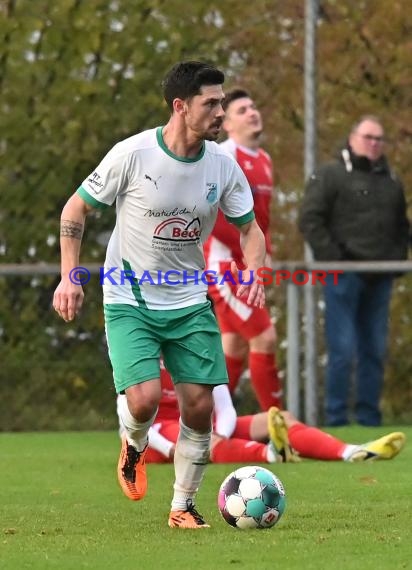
[{"x": 251, "y": 497}]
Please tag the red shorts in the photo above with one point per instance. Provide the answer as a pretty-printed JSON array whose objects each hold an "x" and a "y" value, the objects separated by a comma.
[{"x": 234, "y": 315}]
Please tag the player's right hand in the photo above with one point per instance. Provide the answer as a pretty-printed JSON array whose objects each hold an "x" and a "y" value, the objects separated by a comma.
[
  {"x": 255, "y": 292},
  {"x": 68, "y": 299}
]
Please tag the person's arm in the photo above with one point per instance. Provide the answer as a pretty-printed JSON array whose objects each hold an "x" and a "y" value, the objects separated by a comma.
[
  {"x": 252, "y": 242},
  {"x": 68, "y": 297},
  {"x": 236, "y": 202},
  {"x": 404, "y": 225},
  {"x": 99, "y": 190},
  {"x": 223, "y": 230},
  {"x": 225, "y": 413},
  {"x": 315, "y": 216},
  {"x": 160, "y": 443}
]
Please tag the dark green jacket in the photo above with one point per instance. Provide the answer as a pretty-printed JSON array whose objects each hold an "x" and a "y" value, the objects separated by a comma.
[{"x": 354, "y": 209}]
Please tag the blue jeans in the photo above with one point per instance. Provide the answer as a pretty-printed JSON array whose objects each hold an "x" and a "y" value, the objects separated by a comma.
[{"x": 356, "y": 327}]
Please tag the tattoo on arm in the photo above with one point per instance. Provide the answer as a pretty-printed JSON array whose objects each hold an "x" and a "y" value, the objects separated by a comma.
[{"x": 71, "y": 229}]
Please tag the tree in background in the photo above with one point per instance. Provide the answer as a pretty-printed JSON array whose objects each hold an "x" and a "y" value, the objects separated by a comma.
[{"x": 76, "y": 76}]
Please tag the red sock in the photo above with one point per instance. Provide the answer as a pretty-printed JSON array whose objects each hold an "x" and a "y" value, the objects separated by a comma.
[
  {"x": 234, "y": 370},
  {"x": 316, "y": 444},
  {"x": 265, "y": 379},
  {"x": 238, "y": 451}
]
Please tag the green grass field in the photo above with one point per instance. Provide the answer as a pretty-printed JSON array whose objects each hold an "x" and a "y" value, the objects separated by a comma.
[{"x": 61, "y": 507}]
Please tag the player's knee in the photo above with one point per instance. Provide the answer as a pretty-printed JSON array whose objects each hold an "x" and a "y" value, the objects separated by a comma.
[
  {"x": 234, "y": 345},
  {"x": 197, "y": 413},
  {"x": 143, "y": 406},
  {"x": 142, "y": 411},
  {"x": 289, "y": 418},
  {"x": 265, "y": 341}
]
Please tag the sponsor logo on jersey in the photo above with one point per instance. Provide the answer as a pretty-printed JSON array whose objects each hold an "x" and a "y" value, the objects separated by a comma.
[
  {"x": 153, "y": 180},
  {"x": 176, "y": 231},
  {"x": 262, "y": 189},
  {"x": 168, "y": 213},
  {"x": 95, "y": 183},
  {"x": 268, "y": 171}
]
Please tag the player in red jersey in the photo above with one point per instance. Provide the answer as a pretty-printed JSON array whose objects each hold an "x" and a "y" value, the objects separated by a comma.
[
  {"x": 245, "y": 329},
  {"x": 266, "y": 437}
]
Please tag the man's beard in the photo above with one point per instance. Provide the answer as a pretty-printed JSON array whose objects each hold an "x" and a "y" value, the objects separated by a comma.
[{"x": 211, "y": 136}]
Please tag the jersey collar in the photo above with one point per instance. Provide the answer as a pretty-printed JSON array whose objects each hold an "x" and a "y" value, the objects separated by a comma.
[{"x": 161, "y": 142}]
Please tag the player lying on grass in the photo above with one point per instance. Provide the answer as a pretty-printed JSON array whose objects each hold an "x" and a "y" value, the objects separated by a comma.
[{"x": 265, "y": 437}]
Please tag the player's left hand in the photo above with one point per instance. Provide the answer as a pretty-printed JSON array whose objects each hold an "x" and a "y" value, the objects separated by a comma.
[{"x": 255, "y": 291}]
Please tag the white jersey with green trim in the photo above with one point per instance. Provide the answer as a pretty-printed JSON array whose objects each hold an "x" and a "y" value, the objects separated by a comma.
[{"x": 166, "y": 207}]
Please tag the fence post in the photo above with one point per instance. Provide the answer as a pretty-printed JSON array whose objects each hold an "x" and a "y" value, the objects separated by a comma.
[
  {"x": 293, "y": 350},
  {"x": 310, "y": 375}
]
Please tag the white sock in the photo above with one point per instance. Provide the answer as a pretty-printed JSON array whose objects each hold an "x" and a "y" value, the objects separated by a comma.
[
  {"x": 191, "y": 459},
  {"x": 122, "y": 431},
  {"x": 136, "y": 432},
  {"x": 271, "y": 456},
  {"x": 348, "y": 451}
]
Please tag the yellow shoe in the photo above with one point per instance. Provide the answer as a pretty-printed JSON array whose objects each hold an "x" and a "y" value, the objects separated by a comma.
[
  {"x": 385, "y": 447},
  {"x": 131, "y": 471},
  {"x": 278, "y": 433},
  {"x": 189, "y": 518}
]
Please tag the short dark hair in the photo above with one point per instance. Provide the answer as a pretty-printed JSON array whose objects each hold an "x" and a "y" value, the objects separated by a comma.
[
  {"x": 232, "y": 95},
  {"x": 186, "y": 79}
]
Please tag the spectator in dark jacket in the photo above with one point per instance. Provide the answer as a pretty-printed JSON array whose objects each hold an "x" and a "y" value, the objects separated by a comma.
[{"x": 354, "y": 209}]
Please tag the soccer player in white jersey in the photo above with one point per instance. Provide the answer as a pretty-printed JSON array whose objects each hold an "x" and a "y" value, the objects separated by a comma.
[{"x": 168, "y": 184}]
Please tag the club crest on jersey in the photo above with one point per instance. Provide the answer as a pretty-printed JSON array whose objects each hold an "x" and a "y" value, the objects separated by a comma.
[{"x": 211, "y": 195}]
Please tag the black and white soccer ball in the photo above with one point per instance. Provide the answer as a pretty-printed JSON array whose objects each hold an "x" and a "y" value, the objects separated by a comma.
[{"x": 251, "y": 497}]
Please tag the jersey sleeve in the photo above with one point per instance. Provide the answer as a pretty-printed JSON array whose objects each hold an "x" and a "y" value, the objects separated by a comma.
[
  {"x": 107, "y": 181},
  {"x": 236, "y": 201}
]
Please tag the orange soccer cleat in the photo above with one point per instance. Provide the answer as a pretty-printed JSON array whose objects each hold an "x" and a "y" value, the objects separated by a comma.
[
  {"x": 131, "y": 471},
  {"x": 189, "y": 518}
]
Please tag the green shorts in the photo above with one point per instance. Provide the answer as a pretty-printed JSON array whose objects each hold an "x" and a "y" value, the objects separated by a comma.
[{"x": 188, "y": 339}]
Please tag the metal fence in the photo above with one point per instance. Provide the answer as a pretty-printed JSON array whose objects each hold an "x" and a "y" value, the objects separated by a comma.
[{"x": 302, "y": 380}]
